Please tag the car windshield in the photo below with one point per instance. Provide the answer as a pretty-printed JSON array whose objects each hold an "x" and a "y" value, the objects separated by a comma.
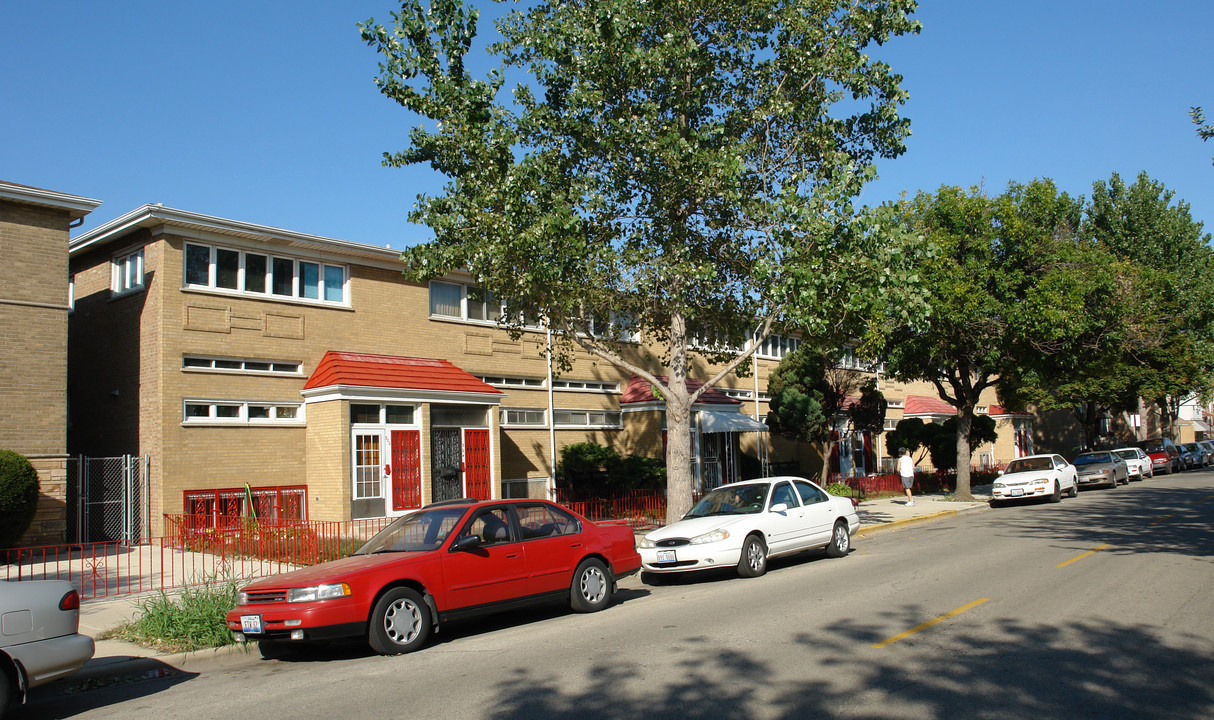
[
  {"x": 1093, "y": 458},
  {"x": 1029, "y": 465},
  {"x": 1192, "y": 447},
  {"x": 737, "y": 500},
  {"x": 1128, "y": 454},
  {"x": 1152, "y": 445},
  {"x": 423, "y": 530}
]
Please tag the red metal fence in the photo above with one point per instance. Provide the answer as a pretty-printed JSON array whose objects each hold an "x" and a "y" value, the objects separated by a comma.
[
  {"x": 195, "y": 549},
  {"x": 643, "y": 509}
]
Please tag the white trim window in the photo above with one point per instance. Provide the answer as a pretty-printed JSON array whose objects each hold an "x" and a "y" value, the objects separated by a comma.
[
  {"x": 523, "y": 417},
  {"x": 525, "y": 383},
  {"x": 198, "y": 411},
  {"x": 457, "y": 301},
  {"x": 127, "y": 273},
  {"x": 368, "y": 459},
  {"x": 228, "y": 270},
  {"x": 605, "y": 419},
  {"x": 197, "y": 363},
  {"x": 586, "y": 386},
  {"x": 777, "y": 346},
  {"x": 201, "y": 363}
]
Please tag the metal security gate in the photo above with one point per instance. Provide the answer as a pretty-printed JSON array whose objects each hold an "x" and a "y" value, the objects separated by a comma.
[{"x": 107, "y": 498}]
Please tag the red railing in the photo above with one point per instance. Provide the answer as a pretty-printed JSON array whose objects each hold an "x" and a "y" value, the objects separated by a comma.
[
  {"x": 195, "y": 549},
  {"x": 643, "y": 509}
]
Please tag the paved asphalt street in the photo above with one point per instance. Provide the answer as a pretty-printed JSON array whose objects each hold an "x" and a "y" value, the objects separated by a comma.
[{"x": 1096, "y": 607}]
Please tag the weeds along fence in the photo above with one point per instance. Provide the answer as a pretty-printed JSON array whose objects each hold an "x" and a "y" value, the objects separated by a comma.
[
  {"x": 643, "y": 509},
  {"x": 195, "y": 549}
]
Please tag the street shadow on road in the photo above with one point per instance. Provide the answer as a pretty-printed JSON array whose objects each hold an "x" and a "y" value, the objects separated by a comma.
[
  {"x": 84, "y": 692},
  {"x": 1087, "y": 669},
  {"x": 1137, "y": 518},
  {"x": 730, "y": 573}
]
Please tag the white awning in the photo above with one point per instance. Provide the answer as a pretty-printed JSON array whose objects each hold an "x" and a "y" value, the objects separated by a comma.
[
  {"x": 712, "y": 421},
  {"x": 1201, "y": 426}
]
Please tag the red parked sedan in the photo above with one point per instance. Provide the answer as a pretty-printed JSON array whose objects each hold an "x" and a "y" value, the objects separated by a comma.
[{"x": 446, "y": 561}]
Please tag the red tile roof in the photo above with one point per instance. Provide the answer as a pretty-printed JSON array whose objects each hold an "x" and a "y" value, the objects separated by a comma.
[
  {"x": 640, "y": 390},
  {"x": 390, "y": 371},
  {"x": 920, "y": 405}
]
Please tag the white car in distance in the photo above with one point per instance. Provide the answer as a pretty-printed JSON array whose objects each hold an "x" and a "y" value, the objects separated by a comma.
[
  {"x": 1035, "y": 476},
  {"x": 744, "y": 524},
  {"x": 1136, "y": 461}
]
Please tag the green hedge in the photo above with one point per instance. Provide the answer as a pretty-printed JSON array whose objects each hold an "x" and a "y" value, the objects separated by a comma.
[{"x": 18, "y": 496}]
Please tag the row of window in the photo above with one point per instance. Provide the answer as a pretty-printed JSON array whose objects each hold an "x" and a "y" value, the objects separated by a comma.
[
  {"x": 238, "y": 412},
  {"x": 239, "y": 365},
  {"x": 535, "y": 383},
  {"x": 537, "y": 417},
  {"x": 218, "y": 268}
]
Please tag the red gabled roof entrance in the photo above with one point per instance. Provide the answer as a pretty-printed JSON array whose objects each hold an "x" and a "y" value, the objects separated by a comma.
[{"x": 391, "y": 371}]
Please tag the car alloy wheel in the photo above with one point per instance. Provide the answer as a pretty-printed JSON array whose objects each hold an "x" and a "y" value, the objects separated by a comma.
[
  {"x": 753, "y": 562},
  {"x": 591, "y": 589},
  {"x": 400, "y": 622},
  {"x": 840, "y": 541}
]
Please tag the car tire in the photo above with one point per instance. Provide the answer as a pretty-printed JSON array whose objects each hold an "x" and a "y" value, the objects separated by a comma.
[
  {"x": 591, "y": 588},
  {"x": 996, "y": 503},
  {"x": 400, "y": 622},
  {"x": 840, "y": 541},
  {"x": 6, "y": 691},
  {"x": 753, "y": 562},
  {"x": 1057, "y": 496},
  {"x": 652, "y": 578},
  {"x": 1074, "y": 491}
]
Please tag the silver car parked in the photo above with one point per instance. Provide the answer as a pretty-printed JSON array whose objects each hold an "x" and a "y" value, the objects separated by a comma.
[
  {"x": 40, "y": 640},
  {"x": 1101, "y": 467}
]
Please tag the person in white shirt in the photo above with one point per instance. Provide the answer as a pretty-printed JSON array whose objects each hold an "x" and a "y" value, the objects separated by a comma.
[{"x": 906, "y": 469}]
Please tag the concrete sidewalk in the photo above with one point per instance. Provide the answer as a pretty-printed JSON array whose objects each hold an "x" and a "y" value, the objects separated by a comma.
[{"x": 119, "y": 659}]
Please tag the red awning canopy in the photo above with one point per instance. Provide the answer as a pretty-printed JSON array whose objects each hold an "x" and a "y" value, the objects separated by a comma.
[{"x": 400, "y": 373}]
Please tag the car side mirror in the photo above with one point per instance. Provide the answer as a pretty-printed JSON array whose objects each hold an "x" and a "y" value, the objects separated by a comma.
[
  {"x": 467, "y": 542},
  {"x": 779, "y": 507},
  {"x": 999, "y": 473}
]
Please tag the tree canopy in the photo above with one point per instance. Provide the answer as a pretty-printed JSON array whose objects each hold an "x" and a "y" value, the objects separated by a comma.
[
  {"x": 666, "y": 173},
  {"x": 1002, "y": 289},
  {"x": 812, "y": 398}
]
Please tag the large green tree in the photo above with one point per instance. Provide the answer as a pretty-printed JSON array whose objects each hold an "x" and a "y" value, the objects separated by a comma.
[
  {"x": 1001, "y": 290},
  {"x": 664, "y": 172},
  {"x": 1166, "y": 335},
  {"x": 812, "y": 398}
]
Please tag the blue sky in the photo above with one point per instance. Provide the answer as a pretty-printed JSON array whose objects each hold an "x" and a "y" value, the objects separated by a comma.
[{"x": 265, "y": 110}]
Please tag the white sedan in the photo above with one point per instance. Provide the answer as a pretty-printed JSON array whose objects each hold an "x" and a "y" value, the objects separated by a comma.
[
  {"x": 743, "y": 524},
  {"x": 40, "y": 641},
  {"x": 1035, "y": 476},
  {"x": 1136, "y": 461}
]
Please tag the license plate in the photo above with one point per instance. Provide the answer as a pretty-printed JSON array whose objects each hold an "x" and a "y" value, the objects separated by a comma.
[
  {"x": 250, "y": 624},
  {"x": 666, "y": 556},
  {"x": 1016, "y": 491}
]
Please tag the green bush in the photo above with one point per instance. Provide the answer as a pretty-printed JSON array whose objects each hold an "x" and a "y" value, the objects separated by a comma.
[
  {"x": 588, "y": 465},
  {"x": 194, "y": 621},
  {"x": 840, "y": 490},
  {"x": 18, "y": 496}
]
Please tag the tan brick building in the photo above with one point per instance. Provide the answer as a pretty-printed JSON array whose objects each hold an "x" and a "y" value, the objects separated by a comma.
[
  {"x": 34, "y": 307},
  {"x": 304, "y": 374}
]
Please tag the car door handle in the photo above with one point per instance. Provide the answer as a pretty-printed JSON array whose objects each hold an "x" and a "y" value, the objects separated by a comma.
[
  {"x": 575, "y": 545},
  {"x": 513, "y": 556}
]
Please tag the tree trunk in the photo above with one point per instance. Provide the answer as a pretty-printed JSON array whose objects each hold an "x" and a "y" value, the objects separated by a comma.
[
  {"x": 965, "y": 420},
  {"x": 679, "y": 479}
]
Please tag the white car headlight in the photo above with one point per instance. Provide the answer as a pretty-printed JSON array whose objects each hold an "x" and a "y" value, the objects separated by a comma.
[
  {"x": 646, "y": 543},
  {"x": 710, "y": 537},
  {"x": 999, "y": 486},
  {"x": 318, "y": 592},
  {"x": 242, "y": 598}
]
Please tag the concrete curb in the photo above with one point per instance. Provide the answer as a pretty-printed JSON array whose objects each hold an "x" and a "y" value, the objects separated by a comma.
[{"x": 871, "y": 530}]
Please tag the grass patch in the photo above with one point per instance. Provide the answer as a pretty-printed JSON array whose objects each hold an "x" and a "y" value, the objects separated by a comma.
[{"x": 193, "y": 621}]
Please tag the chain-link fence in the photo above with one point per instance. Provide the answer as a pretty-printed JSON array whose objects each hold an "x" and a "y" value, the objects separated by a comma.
[{"x": 107, "y": 498}]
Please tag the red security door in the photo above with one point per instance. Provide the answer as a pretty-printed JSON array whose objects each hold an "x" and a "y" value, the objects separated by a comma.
[
  {"x": 406, "y": 470},
  {"x": 476, "y": 464}
]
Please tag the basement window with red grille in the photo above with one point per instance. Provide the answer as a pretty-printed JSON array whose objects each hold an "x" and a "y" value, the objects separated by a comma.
[{"x": 221, "y": 508}]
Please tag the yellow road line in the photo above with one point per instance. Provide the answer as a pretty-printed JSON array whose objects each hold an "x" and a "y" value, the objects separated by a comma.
[
  {"x": 1165, "y": 517},
  {"x": 1077, "y": 558},
  {"x": 929, "y": 623},
  {"x": 1207, "y": 497}
]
